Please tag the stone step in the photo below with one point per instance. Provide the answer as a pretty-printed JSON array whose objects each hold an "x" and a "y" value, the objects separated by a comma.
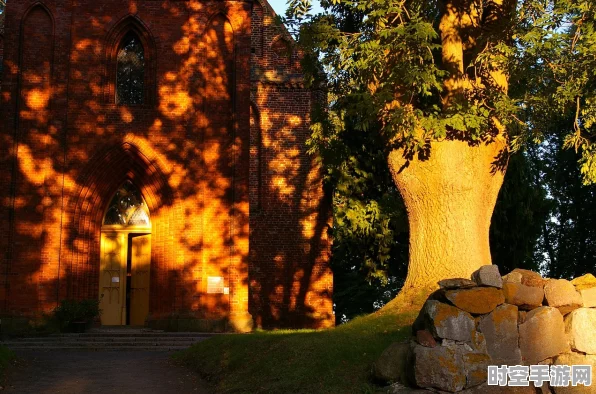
[
  {"x": 97, "y": 348},
  {"x": 98, "y": 343},
  {"x": 109, "y": 339},
  {"x": 139, "y": 334}
]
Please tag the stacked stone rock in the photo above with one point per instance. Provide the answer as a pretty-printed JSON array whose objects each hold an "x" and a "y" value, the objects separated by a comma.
[{"x": 518, "y": 319}]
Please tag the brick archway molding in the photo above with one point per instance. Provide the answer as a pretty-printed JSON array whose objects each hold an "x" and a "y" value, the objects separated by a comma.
[{"x": 105, "y": 173}]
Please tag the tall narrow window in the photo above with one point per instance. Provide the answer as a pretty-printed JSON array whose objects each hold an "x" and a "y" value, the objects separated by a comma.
[{"x": 130, "y": 76}]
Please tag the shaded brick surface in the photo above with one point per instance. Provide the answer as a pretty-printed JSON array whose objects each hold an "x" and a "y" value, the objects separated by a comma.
[{"x": 217, "y": 150}]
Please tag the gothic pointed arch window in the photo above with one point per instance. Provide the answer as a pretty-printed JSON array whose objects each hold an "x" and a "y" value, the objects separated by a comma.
[
  {"x": 130, "y": 74},
  {"x": 127, "y": 208}
]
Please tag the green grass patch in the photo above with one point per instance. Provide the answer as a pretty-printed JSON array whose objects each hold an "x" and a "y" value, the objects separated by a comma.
[{"x": 337, "y": 360}]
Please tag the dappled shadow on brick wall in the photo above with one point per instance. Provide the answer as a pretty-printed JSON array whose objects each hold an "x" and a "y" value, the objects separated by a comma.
[{"x": 188, "y": 148}]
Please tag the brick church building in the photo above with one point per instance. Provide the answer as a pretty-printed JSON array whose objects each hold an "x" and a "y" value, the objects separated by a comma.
[{"x": 153, "y": 156}]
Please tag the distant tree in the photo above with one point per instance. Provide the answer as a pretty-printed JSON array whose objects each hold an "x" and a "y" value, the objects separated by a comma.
[
  {"x": 569, "y": 237},
  {"x": 370, "y": 230},
  {"x": 521, "y": 211}
]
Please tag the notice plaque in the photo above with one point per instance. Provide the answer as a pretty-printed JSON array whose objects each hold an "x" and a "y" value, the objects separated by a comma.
[
  {"x": 215, "y": 285},
  {"x": 115, "y": 279}
]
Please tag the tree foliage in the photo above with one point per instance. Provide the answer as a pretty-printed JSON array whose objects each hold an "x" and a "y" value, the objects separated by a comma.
[
  {"x": 391, "y": 85},
  {"x": 392, "y": 67},
  {"x": 556, "y": 65}
]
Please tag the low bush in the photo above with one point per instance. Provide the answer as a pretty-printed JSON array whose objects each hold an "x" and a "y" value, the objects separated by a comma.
[{"x": 73, "y": 311}]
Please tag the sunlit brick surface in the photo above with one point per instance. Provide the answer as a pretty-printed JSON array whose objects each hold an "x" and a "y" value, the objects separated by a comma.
[{"x": 217, "y": 150}]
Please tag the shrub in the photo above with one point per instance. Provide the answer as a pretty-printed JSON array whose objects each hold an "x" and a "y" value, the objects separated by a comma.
[{"x": 70, "y": 311}]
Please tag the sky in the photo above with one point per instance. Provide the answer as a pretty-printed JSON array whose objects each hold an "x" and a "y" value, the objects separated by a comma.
[{"x": 280, "y": 6}]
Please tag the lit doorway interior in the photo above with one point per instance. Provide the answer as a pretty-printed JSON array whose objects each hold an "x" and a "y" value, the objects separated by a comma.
[{"x": 125, "y": 261}]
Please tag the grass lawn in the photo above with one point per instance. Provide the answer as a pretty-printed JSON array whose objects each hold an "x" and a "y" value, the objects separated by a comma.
[{"x": 337, "y": 360}]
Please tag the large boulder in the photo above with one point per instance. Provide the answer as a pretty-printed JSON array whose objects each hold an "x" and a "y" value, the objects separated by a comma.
[
  {"x": 525, "y": 297},
  {"x": 475, "y": 367},
  {"x": 425, "y": 338},
  {"x": 542, "y": 335},
  {"x": 580, "y": 326},
  {"x": 477, "y": 300},
  {"x": 479, "y": 343},
  {"x": 391, "y": 366},
  {"x": 586, "y": 286},
  {"x": 488, "y": 275},
  {"x": 586, "y": 281},
  {"x": 588, "y": 297},
  {"x": 500, "y": 331},
  {"x": 439, "y": 368},
  {"x": 561, "y": 294},
  {"x": 445, "y": 322},
  {"x": 576, "y": 359},
  {"x": 525, "y": 277}
]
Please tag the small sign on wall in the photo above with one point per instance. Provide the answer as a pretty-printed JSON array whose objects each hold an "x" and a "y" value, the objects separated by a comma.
[{"x": 215, "y": 285}]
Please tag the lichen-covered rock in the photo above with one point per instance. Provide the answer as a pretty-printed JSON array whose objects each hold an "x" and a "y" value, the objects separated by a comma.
[
  {"x": 586, "y": 281},
  {"x": 477, "y": 300},
  {"x": 500, "y": 330},
  {"x": 425, "y": 338},
  {"x": 439, "y": 368},
  {"x": 512, "y": 277},
  {"x": 445, "y": 321},
  {"x": 488, "y": 275},
  {"x": 391, "y": 365},
  {"x": 475, "y": 367},
  {"x": 580, "y": 326},
  {"x": 456, "y": 283},
  {"x": 525, "y": 277},
  {"x": 576, "y": 359},
  {"x": 588, "y": 297},
  {"x": 525, "y": 297},
  {"x": 479, "y": 342},
  {"x": 561, "y": 294},
  {"x": 542, "y": 335}
]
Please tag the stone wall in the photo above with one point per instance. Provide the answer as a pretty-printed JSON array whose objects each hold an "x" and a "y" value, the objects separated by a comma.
[{"x": 518, "y": 319}]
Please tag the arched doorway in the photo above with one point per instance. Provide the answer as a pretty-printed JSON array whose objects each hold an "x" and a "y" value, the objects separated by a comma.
[{"x": 125, "y": 259}]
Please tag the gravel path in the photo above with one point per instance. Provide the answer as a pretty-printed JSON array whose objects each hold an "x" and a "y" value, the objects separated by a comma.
[{"x": 100, "y": 372}]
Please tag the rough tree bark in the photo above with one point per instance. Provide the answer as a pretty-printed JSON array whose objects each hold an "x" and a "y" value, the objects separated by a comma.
[{"x": 451, "y": 193}]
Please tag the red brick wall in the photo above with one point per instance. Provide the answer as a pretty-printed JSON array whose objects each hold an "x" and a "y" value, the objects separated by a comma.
[
  {"x": 290, "y": 281},
  {"x": 66, "y": 147}
]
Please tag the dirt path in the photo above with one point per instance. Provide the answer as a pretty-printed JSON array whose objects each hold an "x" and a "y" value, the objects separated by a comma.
[{"x": 100, "y": 372}]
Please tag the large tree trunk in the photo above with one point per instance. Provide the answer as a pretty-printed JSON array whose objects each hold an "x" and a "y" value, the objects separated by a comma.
[
  {"x": 450, "y": 197},
  {"x": 450, "y": 193}
]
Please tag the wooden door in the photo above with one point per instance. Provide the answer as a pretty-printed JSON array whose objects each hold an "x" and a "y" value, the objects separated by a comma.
[
  {"x": 139, "y": 284},
  {"x": 112, "y": 283}
]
